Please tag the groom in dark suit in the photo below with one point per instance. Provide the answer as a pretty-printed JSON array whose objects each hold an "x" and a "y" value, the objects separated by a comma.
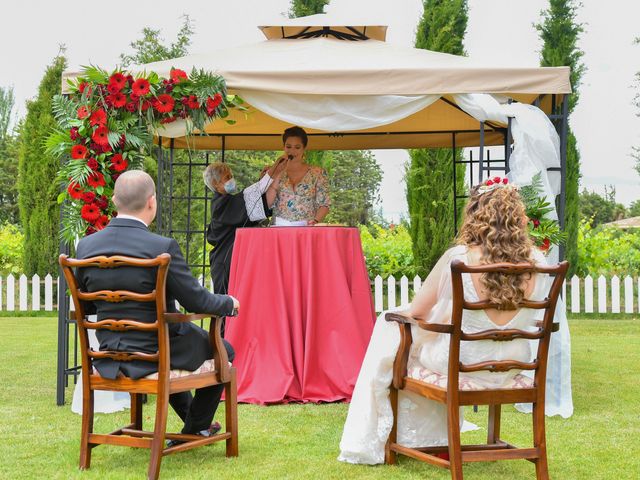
[{"x": 127, "y": 234}]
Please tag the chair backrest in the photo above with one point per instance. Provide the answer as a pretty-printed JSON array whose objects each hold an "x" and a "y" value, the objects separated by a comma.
[
  {"x": 542, "y": 333},
  {"x": 157, "y": 295}
]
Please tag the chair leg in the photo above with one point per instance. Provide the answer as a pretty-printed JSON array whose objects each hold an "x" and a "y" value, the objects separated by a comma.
[
  {"x": 136, "y": 410},
  {"x": 539, "y": 441},
  {"x": 455, "y": 449},
  {"x": 231, "y": 414},
  {"x": 86, "y": 429},
  {"x": 493, "y": 433},
  {"x": 390, "y": 457},
  {"x": 157, "y": 443}
]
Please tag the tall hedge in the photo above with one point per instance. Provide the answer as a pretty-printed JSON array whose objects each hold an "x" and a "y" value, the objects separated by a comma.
[
  {"x": 429, "y": 175},
  {"x": 37, "y": 188},
  {"x": 560, "y": 33}
]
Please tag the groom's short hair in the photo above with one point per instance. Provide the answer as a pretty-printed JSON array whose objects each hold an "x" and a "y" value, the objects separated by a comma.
[{"x": 132, "y": 190}]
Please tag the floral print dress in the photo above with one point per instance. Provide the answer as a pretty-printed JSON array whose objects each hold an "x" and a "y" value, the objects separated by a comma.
[{"x": 303, "y": 201}]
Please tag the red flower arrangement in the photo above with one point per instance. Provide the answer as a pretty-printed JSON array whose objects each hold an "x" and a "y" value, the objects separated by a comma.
[{"x": 104, "y": 104}]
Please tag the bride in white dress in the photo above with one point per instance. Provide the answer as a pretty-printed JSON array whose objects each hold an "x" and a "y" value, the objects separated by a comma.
[{"x": 494, "y": 230}]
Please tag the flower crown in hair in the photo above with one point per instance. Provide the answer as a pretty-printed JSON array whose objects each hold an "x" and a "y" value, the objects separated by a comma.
[{"x": 493, "y": 183}]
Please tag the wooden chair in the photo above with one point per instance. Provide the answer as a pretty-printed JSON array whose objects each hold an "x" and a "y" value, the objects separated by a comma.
[
  {"x": 450, "y": 391},
  {"x": 165, "y": 382}
]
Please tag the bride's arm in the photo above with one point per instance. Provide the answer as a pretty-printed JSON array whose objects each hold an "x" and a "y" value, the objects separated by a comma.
[{"x": 427, "y": 297}]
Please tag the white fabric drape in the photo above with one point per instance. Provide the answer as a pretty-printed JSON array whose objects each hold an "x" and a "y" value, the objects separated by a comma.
[{"x": 341, "y": 113}]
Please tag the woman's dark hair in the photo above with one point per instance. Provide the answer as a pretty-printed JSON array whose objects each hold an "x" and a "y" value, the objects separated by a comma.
[{"x": 295, "y": 132}]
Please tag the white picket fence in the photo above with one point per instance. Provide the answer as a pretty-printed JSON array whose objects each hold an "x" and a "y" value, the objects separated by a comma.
[
  {"x": 583, "y": 295},
  {"x": 607, "y": 297}
]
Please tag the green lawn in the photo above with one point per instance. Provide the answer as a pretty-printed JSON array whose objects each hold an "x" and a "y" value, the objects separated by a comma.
[{"x": 601, "y": 441}]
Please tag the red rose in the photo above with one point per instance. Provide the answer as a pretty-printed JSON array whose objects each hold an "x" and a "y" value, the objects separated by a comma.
[
  {"x": 168, "y": 120},
  {"x": 545, "y": 245},
  {"x": 134, "y": 98},
  {"x": 130, "y": 79},
  {"x": 82, "y": 86},
  {"x": 130, "y": 107},
  {"x": 92, "y": 163},
  {"x": 83, "y": 112},
  {"x": 123, "y": 140},
  {"x": 114, "y": 177},
  {"x": 488, "y": 183},
  {"x": 497, "y": 179},
  {"x": 90, "y": 230},
  {"x": 99, "y": 117},
  {"x": 192, "y": 102},
  {"x": 73, "y": 133},
  {"x": 505, "y": 180},
  {"x": 96, "y": 179},
  {"x": 100, "y": 136},
  {"x": 118, "y": 79},
  {"x": 90, "y": 212},
  {"x": 140, "y": 87},
  {"x": 118, "y": 100},
  {"x": 178, "y": 75},
  {"x": 101, "y": 222},
  {"x": 78, "y": 151},
  {"x": 102, "y": 202},
  {"x": 145, "y": 105},
  {"x": 213, "y": 102},
  {"x": 536, "y": 223},
  {"x": 118, "y": 163},
  {"x": 75, "y": 190},
  {"x": 164, "y": 103}
]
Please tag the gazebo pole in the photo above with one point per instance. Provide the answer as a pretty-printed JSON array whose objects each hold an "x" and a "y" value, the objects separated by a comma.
[{"x": 63, "y": 328}]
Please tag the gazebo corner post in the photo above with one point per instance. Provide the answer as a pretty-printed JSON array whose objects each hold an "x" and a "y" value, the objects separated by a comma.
[
  {"x": 507, "y": 145},
  {"x": 224, "y": 148},
  {"x": 454, "y": 164},
  {"x": 481, "y": 154},
  {"x": 564, "y": 130},
  {"x": 160, "y": 185},
  {"x": 63, "y": 325}
]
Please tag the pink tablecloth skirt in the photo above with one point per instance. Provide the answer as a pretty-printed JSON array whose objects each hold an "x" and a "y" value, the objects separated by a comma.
[{"x": 306, "y": 313}]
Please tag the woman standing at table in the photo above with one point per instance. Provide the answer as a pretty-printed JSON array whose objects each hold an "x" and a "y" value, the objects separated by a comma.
[{"x": 303, "y": 194}]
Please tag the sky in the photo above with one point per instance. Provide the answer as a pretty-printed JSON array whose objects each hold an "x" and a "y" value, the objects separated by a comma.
[{"x": 604, "y": 121}]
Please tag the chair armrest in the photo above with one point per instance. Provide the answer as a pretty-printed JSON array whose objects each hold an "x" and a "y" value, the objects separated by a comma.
[
  {"x": 405, "y": 319},
  {"x": 437, "y": 327},
  {"x": 185, "y": 317},
  {"x": 400, "y": 318}
]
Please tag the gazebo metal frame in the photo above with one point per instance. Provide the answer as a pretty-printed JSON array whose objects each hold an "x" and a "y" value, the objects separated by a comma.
[{"x": 477, "y": 169}]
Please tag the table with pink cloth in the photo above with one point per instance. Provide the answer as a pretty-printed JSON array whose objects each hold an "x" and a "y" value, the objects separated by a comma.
[{"x": 306, "y": 313}]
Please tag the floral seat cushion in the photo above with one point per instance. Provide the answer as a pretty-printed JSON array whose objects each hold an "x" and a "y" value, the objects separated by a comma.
[
  {"x": 207, "y": 367},
  {"x": 466, "y": 382}
]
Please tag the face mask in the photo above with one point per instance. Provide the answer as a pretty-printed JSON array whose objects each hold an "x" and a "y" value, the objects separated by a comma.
[{"x": 230, "y": 186}]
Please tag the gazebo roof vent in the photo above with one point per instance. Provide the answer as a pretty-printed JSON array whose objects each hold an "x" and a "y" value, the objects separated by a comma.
[{"x": 322, "y": 25}]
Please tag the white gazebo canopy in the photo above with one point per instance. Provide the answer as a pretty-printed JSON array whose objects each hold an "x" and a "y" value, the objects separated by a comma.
[{"x": 343, "y": 79}]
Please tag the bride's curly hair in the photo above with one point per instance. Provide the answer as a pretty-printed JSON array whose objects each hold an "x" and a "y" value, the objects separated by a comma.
[{"x": 493, "y": 221}]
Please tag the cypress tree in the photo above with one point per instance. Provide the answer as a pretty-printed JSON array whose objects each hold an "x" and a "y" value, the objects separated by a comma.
[
  {"x": 37, "y": 188},
  {"x": 560, "y": 33},
  {"x": 429, "y": 175}
]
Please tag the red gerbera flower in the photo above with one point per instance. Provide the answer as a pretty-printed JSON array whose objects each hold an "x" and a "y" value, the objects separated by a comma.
[
  {"x": 140, "y": 87},
  {"x": 113, "y": 88},
  {"x": 134, "y": 98},
  {"x": 83, "y": 112},
  {"x": 92, "y": 163},
  {"x": 75, "y": 190},
  {"x": 90, "y": 212},
  {"x": 119, "y": 163},
  {"x": 88, "y": 197},
  {"x": 96, "y": 179},
  {"x": 99, "y": 117},
  {"x": 118, "y": 100},
  {"x": 178, "y": 75},
  {"x": 78, "y": 151},
  {"x": 118, "y": 79},
  {"x": 100, "y": 136},
  {"x": 101, "y": 222},
  {"x": 164, "y": 103},
  {"x": 82, "y": 86}
]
